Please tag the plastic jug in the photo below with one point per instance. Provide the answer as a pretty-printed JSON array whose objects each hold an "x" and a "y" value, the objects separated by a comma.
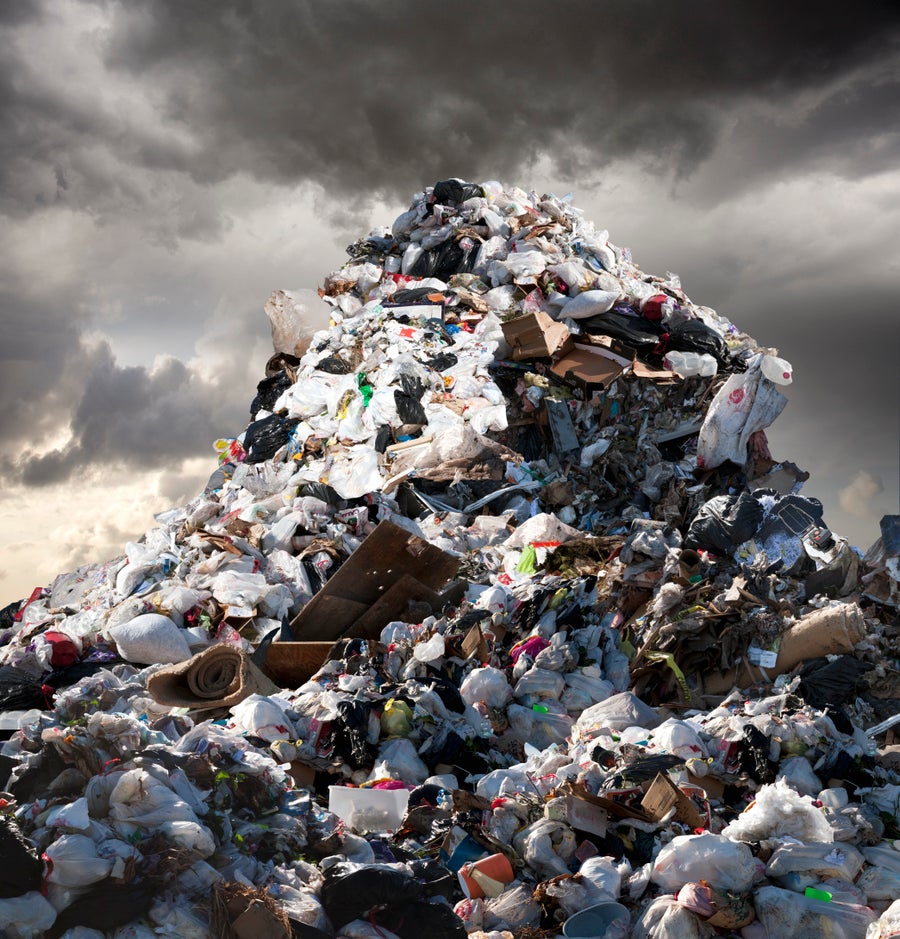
[
  {"x": 691, "y": 363},
  {"x": 777, "y": 370}
]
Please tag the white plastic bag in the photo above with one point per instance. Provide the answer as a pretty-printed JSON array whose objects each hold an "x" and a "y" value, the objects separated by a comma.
[
  {"x": 75, "y": 862},
  {"x": 26, "y": 916},
  {"x": 724, "y": 864},
  {"x": 746, "y": 403},
  {"x": 150, "y": 639},
  {"x": 487, "y": 685}
]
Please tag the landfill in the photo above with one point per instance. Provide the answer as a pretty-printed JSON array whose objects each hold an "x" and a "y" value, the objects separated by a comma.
[{"x": 499, "y": 619}]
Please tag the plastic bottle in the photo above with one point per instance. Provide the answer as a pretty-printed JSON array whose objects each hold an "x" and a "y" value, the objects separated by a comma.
[
  {"x": 777, "y": 370},
  {"x": 691, "y": 363}
]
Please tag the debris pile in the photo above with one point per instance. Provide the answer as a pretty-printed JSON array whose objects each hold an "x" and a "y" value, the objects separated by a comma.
[{"x": 499, "y": 620}]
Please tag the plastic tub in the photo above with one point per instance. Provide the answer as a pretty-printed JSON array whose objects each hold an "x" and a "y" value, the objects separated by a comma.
[
  {"x": 597, "y": 921},
  {"x": 368, "y": 810}
]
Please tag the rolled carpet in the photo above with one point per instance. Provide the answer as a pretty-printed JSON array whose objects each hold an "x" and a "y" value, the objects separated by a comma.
[{"x": 220, "y": 676}]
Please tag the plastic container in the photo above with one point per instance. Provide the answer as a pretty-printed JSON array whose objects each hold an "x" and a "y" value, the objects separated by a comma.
[
  {"x": 691, "y": 363},
  {"x": 368, "y": 810},
  {"x": 777, "y": 370},
  {"x": 603, "y": 921}
]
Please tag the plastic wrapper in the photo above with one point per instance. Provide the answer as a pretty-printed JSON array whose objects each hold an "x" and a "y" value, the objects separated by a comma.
[
  {"x": 615, "y": 714},
  {"x": 513, "y": 909},
  {"x": 785, "y": 913},
  {"x": 777, "y": 812}
]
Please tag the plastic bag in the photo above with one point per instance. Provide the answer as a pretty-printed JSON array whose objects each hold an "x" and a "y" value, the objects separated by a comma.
[
  {"x": 825, "y": 859},
  {"x": 723, "y": 523},
  {"x": 724, "y": 864},
  {"x": 398, "y": 759},
  {"x": 888, "y": 925},
  {"x": 589, "y": 303},
  {"x": 26, "y": 916},
  {"x": 547, "y": 847},
  {"x": 265, "y": 437},
  {"x": 350, "y": 896},
  {"x": 75, "y": 863},
  {"x": 487, "y": 685},
  {"x": 664, "y": 918},
  {"x": 151, "y": 639},
  {"x": 746, "y": 403},
  {"x": 21, "y": 869}
]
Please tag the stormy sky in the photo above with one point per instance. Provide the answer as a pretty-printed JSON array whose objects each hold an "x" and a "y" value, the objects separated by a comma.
[{"x": 165, "y": 165}]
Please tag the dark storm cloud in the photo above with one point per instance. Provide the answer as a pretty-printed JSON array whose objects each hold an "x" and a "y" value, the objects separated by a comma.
[
  {"x": 135, "y": 417},
  {"x": 379, "y": 98},
  {"x": 366, "y": 96}
]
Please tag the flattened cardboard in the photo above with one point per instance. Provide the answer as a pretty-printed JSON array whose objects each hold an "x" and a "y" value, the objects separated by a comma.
[
  {"x": 393, "y": 605},
  {"x": 383, "y": 559},
  {"x": 590, "y": 367},
  {"x": 586, "y": 816},
  {"x": 663, "y": 795},
  {"x": 290, "y": 664},
  {"x": 474, "y": 644},
  {"x": 536, "y": 335}
]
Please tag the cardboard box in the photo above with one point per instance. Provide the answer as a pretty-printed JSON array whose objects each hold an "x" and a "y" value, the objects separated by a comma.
[
  {"x": 663, "y": 795},
  {"x": 536, "y": 335},
  {"x": 592, "y": 368}
]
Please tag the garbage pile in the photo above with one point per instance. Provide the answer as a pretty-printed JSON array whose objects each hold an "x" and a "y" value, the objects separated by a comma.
[{"x": 499, "y": 620}]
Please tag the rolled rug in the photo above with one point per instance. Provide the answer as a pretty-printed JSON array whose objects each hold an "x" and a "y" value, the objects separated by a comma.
[{"x": 220, "y": 676}]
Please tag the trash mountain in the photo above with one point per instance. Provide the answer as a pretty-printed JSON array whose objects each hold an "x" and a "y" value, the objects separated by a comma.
[{"x": 499, "y": 619}]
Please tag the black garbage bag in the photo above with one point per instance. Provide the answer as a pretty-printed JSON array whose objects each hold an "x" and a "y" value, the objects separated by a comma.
[
  {"x": 443, "y": 361},
  {"x": 268, "y": 391},
  {"x": 350, "y": 896},
  {"x": 455, "y": 191},
  {"x": 696, "y": 336},
  {"x": 20, "y": 692},
  {"x": 753, "y": 756},
  {"x": 639, "y": 333},
  {"x": 350, "y": 733},
  {"x": 21, "y": 869},
  {"x": 446, "y": 259},
  {"x": 424, "y": 920},
  {"x": 824, "y": 683},
  {"x": 8, "y": 614},
  {"x": 263, "y": 438},
  {"x": 106, "y": 907},
  {"x": 409, "y": 297},
  {"x": 409, "y": 400},
  {"x": 723, "y": 523},
  {"x": 334, "y": 365}
]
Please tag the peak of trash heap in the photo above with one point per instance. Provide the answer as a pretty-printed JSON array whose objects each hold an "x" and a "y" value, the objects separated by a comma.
[{"x": 498, "y": 620}]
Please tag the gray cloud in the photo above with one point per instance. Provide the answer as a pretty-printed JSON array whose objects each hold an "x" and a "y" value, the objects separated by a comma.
[{"x": 135, "y": 417}]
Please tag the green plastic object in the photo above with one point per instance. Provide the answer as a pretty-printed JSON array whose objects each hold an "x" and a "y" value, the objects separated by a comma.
[{"x": 814, "y": 894}]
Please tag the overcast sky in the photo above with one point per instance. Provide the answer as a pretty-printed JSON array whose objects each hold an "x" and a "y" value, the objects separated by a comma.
[{"x": 165, "y": 165}]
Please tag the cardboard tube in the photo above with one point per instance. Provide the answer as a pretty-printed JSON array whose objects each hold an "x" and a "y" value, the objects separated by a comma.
[
  {"x": 832, "y": 630},
  {"x": 829, "y": 631}
]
